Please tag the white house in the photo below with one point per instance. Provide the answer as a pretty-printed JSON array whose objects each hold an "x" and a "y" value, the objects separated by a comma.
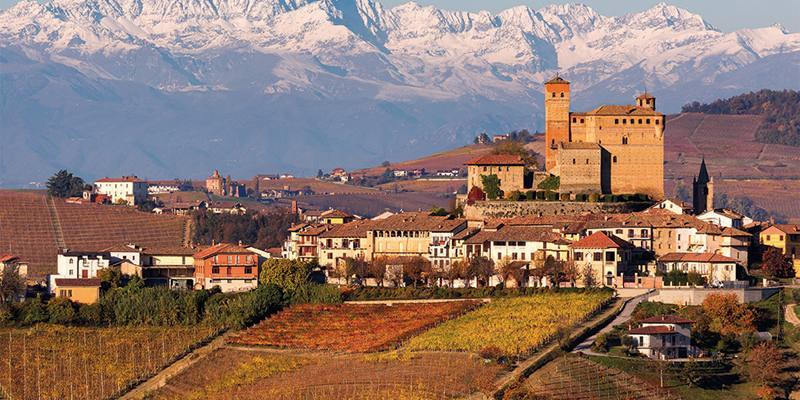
[
  {"x": 715, "y": 267},
  {"x": 674, "y": 206},
  {"x": 664, "y": 337},
  {"x": 725, "y": 218},
  {"x": 130, "y": 189},
  {"x": 79, "y": 265}
]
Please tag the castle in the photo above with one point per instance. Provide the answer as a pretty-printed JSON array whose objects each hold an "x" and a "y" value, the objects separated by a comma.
[{"x": 611, "y": 149}]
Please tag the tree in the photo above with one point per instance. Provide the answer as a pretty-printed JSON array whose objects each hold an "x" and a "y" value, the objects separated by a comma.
[
  {"x": 455, "y": 271},
  {"x": 481, "y": 268},
  {"x": 416, "y": 269},
  {"x": 377, "y": 269},
  {"x": 589, "y": 280},
  {"x": 511, "y": 271},
  {"x": 353, "y": 268},
  {"x": 764, "y": 363},
  {"x": 482, "y": 138},
  {"x": 12, "y": 286},
  {"x": 64, "y": 184},
  {"x": 289, "y": 275},
  {"x": 727, "y": 316},
  {"x": 438, "y": 212},
  {"x": 385, "y": 164},
  {"x": 320, "y": 174},
  {"x": 777, "y": 265},
  {"x": 491, "y": 186},
  {"x": 475, "y": 194}
]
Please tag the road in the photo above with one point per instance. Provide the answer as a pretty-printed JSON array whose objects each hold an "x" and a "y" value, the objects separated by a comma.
[
  {"x": 790, "y": 315},
  {"x": 622, "y": 317}
]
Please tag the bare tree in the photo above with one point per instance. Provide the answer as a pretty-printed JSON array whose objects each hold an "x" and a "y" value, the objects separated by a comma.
[
  {"x": 456, "y": 271},
  {"x": 377, "y": 269},
  {"x": 480, "y": 267},
  {"x": 416, "y": 269}
]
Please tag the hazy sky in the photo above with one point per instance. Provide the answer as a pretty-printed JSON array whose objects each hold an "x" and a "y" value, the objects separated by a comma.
[{"x": 726, "y": 15}]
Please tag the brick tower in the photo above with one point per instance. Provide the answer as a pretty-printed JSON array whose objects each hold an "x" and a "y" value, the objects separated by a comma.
[{"x": 556, "y": 117}]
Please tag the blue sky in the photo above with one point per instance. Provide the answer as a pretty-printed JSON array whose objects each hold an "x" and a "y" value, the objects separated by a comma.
[{"x": 726, "y": 15}]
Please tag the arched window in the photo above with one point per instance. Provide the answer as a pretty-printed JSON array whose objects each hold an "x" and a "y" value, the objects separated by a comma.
[
  {"x": 554, "y": 94},
  {"x": 562, "y": 94},
  {"x": 640, "y": 121},
  {"x": 648, "y": 121},
  {"x": 624, "y": 121},
  {"x": 615, "y": 159},
  {"x": 616, "y": 121},
  {"x": 573, "y": 161},
  {"x": 624, "y": 140},
  {"x": 656, "y": 121}
]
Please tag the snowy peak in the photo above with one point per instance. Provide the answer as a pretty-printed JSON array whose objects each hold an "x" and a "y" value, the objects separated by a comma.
[{"x": 663, "y": 16}]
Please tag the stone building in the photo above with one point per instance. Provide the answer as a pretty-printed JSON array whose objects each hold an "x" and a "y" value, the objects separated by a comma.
[
  {"x": 629, "y": 139},
  {"x": 215, "y": 184},
  {"x": 510, "y": 169},
  {"x": 702, "y": 190}
]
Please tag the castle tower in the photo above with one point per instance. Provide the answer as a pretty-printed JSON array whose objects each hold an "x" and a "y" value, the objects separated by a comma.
[
  {"x": 556, "y": 117},
  {"x": 702, "y": 190},
  {"x": 646, "y": 100}
]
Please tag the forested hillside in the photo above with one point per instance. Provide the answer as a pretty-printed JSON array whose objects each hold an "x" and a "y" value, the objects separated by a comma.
[{"x": 781, "y": 111}]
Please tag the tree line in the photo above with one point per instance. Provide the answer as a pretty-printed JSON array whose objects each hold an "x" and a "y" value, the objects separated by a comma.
[
  {"x": 262, "y": 230},
  {"x": 780, "y": 108}
]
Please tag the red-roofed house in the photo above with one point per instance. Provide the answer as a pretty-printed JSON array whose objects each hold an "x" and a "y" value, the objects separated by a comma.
[
  {"x": 715, "y": 267},
  {"x": 128, "y": 189},
  {"x": 510, "y": 169},
  {"x": 231, "y": 267},
  {"x": 605, "y": 255},
  {"x": 664, "y": 337}
]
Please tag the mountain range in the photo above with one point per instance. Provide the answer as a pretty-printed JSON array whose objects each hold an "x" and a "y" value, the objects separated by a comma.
[{"x": 176, "y": 88}]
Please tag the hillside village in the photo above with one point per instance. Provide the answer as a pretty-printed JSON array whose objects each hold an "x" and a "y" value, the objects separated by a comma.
[{"x": 588, "y": 217}]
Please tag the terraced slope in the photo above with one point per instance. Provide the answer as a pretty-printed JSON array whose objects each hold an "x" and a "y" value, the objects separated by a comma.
[{"x": 34, "y": 227}]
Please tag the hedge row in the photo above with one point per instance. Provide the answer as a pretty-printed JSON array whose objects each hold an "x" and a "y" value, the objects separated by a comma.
[{"x": 412, "y": 293}]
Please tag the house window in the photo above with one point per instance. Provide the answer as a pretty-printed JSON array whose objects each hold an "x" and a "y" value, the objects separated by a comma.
[
  {"x": 656, "y": 122},
  {"x": 610, "y": 256},
  {"x": 631, "y": 233},
  {"x": 554, "y": 94},
  {"x": 624, "y": 140},
  {"x": 230, "y": 259},
  {"x": 581, "y": 120},
  {"x": 573, "y": 161},
  {"x": 632, "y": 121},
  {"x": 574, "y": 120},
  {"x": 615, "y": 158},
  {"x": 616, "y": 121},
  {"x": 640, "y": 121},
  {"x": 65, "y": 293},
  {"x": 587, "y": 161},
  {"x": 648, "y": 121},
  {"x": 618, "y": 231},
  {"x": 214, "y": 270},
  {"x": 598, "y": 256},
  {"x": 248, "y": 270},
  {"x": 562, "y": 94},
  {"x": 578, "y": 256},
  {"x": 624, "y": 121},
  {"x": 644, "y": 233}
]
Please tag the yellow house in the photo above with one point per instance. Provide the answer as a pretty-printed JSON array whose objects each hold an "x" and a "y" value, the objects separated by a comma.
[
  {"x": 335, "y": 217},
  {"x": 84, "y": 290},
  {"x": 409, "y": 234},
  {"x": 785, "y": 237}
]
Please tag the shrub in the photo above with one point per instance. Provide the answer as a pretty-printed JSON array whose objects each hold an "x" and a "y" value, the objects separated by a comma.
[
  {"x": 61, "y": 311},
  {"x": 552, "y": 182},
  {"x": 33, "y": 312},
  {"x": 551, "y": 196},
  {"x": 316, "y": 293},
  {"x": 238, "y": 310},
  {"x": 515, "y": 195},
  {"x": 600, "y": 344},
  {"x": 530, "y": 195},
  {"x": 493, "y": 353},
  {"x": 594, "y": 198},
  {"x": 90, "y": 314},
  {"x": 565, "y": 197},
  {"x": 286, "y": 274},
  {"x": 581, "y": 197},
  {"x": 540, "y": 195}
]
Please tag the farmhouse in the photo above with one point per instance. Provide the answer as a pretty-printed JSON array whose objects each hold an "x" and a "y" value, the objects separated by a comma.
[
  {"x": 715, "y": 267},
  {"x": 80, "y": 290},
  {"x": 664, "y": 337},
  {"x": 231, "y": 267},
  {"x": 785, "y": 237},
  {"x": 129, "y": 190}
]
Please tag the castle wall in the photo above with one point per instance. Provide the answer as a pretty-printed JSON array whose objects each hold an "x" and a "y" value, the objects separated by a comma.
[
  {"x": 482, "y": 210},
  {"x": 579, "y": 170}
]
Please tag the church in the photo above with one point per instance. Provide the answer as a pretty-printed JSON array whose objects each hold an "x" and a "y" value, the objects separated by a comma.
[{"x": 617, "y": 149}]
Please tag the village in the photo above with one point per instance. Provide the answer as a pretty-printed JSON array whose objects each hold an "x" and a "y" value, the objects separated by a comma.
[{"x": 593, "y": 217}]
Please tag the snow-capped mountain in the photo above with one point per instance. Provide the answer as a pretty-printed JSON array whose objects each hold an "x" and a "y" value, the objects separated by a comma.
[{"x": 160, "y": 87}]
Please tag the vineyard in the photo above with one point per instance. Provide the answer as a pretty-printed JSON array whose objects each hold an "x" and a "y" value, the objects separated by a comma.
[
  {"x": 516, "y": 326},
  {"x": 235, "y": 373},
  {"x": 349, "y": 328},
  {"x": 576, "y": 378},
  {"x": 56, "y": 362}
]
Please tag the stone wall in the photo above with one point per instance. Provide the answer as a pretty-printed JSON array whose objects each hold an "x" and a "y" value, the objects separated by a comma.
[
  {"x": 482, "y": 210},
  {"x": 695, "y": 296}
]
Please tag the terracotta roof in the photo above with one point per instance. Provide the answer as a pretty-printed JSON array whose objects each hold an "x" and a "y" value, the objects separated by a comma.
[
  {"x": 652, "y": 330},
  {"x": 734, "y": 232},
  {"x": 419, "y": 221},
  {"x": 465, "y": 233},
  {"x": 666, "y": 319},
  {"x": 355, "y": 229},
  {"x": 628, "y": 110},
  {"x": 83, "y": 282},
  {"x": 497, "y": 159},
  {"x": 132, "y": 178},
  {"x": 335, "y": 214},
  {"x": 517, "y": 234},
  {"x": 696, "y": 257},
  {"x": 579, "y": 146},
  {"x": 314, "y": 230},
  {"x": 785, "y": 228},
  {"x": 173, "y": 251},
  {"x": 225, "y": 248},
  {"x": 275, "y": 251},
  {"x": 557, "y": 79},
  {"x": 7, "y": 257},
  {"x": 601, "y": 240},
  {"x": 121, "y": 248},
  {"x": 295, "y": 228}
]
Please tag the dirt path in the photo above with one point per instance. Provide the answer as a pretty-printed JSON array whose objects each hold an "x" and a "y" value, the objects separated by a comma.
[
  {"x": 160, "y": 379},
  {"x": 790, "y": 315}
]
